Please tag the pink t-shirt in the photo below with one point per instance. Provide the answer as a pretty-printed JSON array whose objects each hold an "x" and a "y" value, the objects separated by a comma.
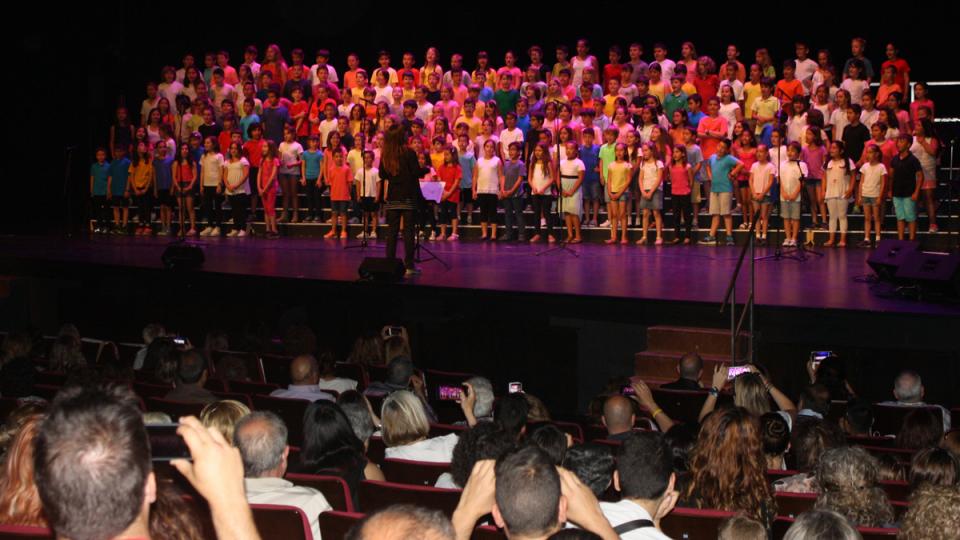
[
  {"x": 813, "y": 156},
  {"x": 915, "y": 107},
  {"x": 680, "y": 179}
]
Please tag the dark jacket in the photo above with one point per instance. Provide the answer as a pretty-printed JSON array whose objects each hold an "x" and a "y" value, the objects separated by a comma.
[{"x": 405, "y": 185}]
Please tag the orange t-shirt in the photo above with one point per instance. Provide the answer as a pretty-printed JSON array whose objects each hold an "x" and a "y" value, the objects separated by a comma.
[
  {"x": 339, "y": 180},
  {"x": 786, "y": 90},
  {"x": 708, "y": 145}
]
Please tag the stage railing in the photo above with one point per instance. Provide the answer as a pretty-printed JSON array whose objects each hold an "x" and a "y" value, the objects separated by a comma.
[{"x": 730, "y": 298}]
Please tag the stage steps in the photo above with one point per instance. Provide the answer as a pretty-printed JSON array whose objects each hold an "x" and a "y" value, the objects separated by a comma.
[{"x": 667, "y": 344}]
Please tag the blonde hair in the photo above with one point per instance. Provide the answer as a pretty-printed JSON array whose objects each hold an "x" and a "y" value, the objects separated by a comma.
[
  {"x": 750, "y": 393},
  {"x": 223, "y": 416},
  {"x": 403, "y": 418},
  {"x": 742, "y": 528}
]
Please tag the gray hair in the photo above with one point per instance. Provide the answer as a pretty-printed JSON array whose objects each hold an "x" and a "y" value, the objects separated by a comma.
[
  {"x": 484, "y": 392},
  {"x": 406, "y": 521},
  {"x": 908, "y": 386},
  {"x": 261, "y": 437},
  {"x": 821, "y": 523},
  {"x": 360, "y": 420}
]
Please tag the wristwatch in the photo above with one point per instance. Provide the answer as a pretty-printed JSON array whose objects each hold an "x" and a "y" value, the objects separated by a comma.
[{"x": 714, "y": 391}]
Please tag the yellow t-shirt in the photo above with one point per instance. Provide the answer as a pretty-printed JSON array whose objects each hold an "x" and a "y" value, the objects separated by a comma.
[
  {"x": 750, "y": 94},
  {"x": 659, "y": 89},
  {"x": 609, "y": 104},
  {"x": 619, "y": 175},
  {"x": 141, "y": 175},
  {"x": 436, "y": 160},
  {"x": 474, "y": 124},
  {"x": 689, "y": 89}
]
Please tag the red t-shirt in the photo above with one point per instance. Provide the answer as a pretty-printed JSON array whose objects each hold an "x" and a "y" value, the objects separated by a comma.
[
  {"x": 611, "y": 71},
  {"x": 224, "y": 140},
  {"x": 707, "y": 87},
  {"x": 253, "y": 151},
  {"x": 787, "y": 89},
  {"x": 266, "y": 171},
  {"x": 298, "y": 108},
  {"x": 339, "y": 180},
  {"x": 450, "y": 175},
  {"x": 902, "y": 68}
]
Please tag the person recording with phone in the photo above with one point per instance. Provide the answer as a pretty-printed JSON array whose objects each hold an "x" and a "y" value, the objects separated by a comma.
[{"x": 751, "y": 390}]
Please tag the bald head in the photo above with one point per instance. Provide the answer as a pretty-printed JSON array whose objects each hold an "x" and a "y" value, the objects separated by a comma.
[
  {"x": 304, "y": 370},
  {"x": 618, "y": 415},
  {"x": 690, "y": 366},
  {"x": 908, "y": 387},
  {"x": 399, "y": 522}
]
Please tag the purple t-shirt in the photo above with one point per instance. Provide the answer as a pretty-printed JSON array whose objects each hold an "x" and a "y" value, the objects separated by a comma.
[{"x": 814, "y": 157}]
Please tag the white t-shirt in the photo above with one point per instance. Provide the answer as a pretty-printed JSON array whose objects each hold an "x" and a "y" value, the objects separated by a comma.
[
  {"x": 435, "y": 450},
  {"x": 508, "y": 136},
  {"x": 869, "y": 118},
  {"x": 283, "y": 492},
  {"x": 324, "y": 129},
  {"x": 737, "y": 87},
  {"x": 211, "y": 166},
  {"x": 927, "y": 162},
  {"x": 837, "y": 178},
  {"x": 790, "y": 174},
  {"x": 872, "y": 180},
  {"x": 804, "y": 70},
  {"x": 540, "y": 179},
  {"x": 856, "y": 87},
  {"x": 424, "y": 111},
  {"x": 289, "y": 154},
  {"x": 759, "y": 173},
  {"x": 796, "y": 127},
  {"x": 666, "y": 68},
  {"x": 384, "y": 94},
  {"x": 170, "y": 91},
  {"x": 368, "y": 179},
  {"x": 729, "y": 111},
  {"x": 235, "y": 174},
  {"x": 488, "y": 175},
  {"x": 338, "y": 384},
  {"x": 331, "y": 74},
  {"x": 838, "y": 119},
  {"x": 625, "y": 511},
  {"x": 571, "y": 167},
  {"x": 650, "y": 174}
]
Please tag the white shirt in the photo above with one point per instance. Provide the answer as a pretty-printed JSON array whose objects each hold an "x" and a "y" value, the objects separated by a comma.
[
  {"x": 170, "y": 91},
  {"x": 445, "y": 481},
  {"x": 310, "y": 392},
  {"x": 790, "y": 173},
  {"x": 625, "y": 511},
  {"x": 666, "y": 68},
  {"x": 796, "y": 127},
  {"x": 324, "y": 129},
  {"x": 235, "y": 174},
  {"x": 872, "y": 179},
  {"x": 488, "y": 175},
  {"x": 435, "y": 450},
  {"x": 650, "y": 175},
  {"x": 211, "y": 165},
  {"x": 837, "y": 178},
  {"x": 856, "y": 87},
  {"x": 280, "y": 491},
  {"x": 804, "y": 70},
  {"x": 729, "y": 111},
  {"x": 338, "y": 384},
  {"x": 331, "y": 74},
  {"x": 508, "y": 136},
  {"x": 737, "y": 87},
  {"x": 759, "y": 174},
  {"x": 869, "y": 118},
  {"x": 367, "y": 180}
]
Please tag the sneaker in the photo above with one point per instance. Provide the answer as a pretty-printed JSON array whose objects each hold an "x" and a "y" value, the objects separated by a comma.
[
  {"x": 206, "y": 231},
  {"x": 730, "y": 241},
  {"x": 744, "y": 226},
  {"x": 453, "y": 238},
  {"x": 605, "y": 223},
  {"x": 360, "y": 236},
  {"x": 433, "y": 236},
  {"x": 343, "y": 235},
  {"x": 786, "y": 243},
  {"x": 373, "y": 235},
  {"x": 934, "y": 228},
  {"x": 412, "y": 272},
  {"x": 864, "y": 244},
  {"x": 215, "y": 231},
  {"x": 232, "y": 233},
  {"x": 709, "y": 239},
  {"x": 241, "y": 234}
]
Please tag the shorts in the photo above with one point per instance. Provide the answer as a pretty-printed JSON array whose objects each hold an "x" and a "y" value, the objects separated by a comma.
[
  {"x": 929, "y": 182},
  {"x": 164, "y": 198},
  {"x": 767, "y": 199},
  {"x": 743, "y": 184},
  {"x": 119, "y": 201},
  {"x": 466, "y": 195},
  {"x": 369, "y": 204},
  {"x": 869, "y": 201},
  {"x": 812, "y": 182},
  {"x": 906, "y": 209},
  {"x": 653, "y": 203},
  {"x": 720, "y": 203},
  {"x": 624, "y": 197},
  {"x": 790, "y": 210},
  {"x": 339, "y": 207},
  {"x": 593, "y": 191}
]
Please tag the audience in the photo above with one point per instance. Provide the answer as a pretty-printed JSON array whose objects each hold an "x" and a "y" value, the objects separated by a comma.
[
  {"x": 328, "y": 379},
  {"x": 593, "y": 464},
  {"x": 356, "y": 407},
  {"x": 810, "y": 440},
  {"x": 776, "y": 440},
  {"x": 191, "y": 376},
  {"x": 847, "y": 480},
  {"x": 161, "y": 362},
  {"x": 618, "y": 418},
  {"x": 19, "y": 499},
  {"x": 406, "y": 431},
  {"x": 920, "y": 429},
  {"x": 645, "y": 479},
  {"x": 690, "y": 369},
  {"x": 934, "y": 514},
  {"x": 401, "y": 375},
  {"x": 150, "y": 332},
  {"x": 486, "y": 440},
  {"x": 857, "y": 420},
  {"x": 551, "y": 440},
  {"x": 482, "y": 390},
  {"x": 222, "y": 416},
  {"x": 261, "y": 438},
  {"x": 400, "y": 522},
  {"x": 814, "y": 402},
  {"x": 510, "y": 411},
  {"x": 933, "y": 466},
  {"x": 819, "y": 524},
  {"x": 304, "y": 377},
  {"x": 742, "y": 528},
  {"x": 908, "y": 391}
]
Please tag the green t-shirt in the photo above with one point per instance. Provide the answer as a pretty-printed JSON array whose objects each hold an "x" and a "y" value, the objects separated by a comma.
[
  {"x": 608, "y": 154},
  {"x": 506, "y": 100}
]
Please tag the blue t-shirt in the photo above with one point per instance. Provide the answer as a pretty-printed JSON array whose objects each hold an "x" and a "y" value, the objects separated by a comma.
[
  {"x": 467, "y": 163},
  {"x": 273, "y": 121},
  {"x": 695, "y": 156},
  {"x": 523, "y": 123},
  {"x": 163, "y": 172},
  {"x": 720, "y": 168},
  {"x": 311, "y": 164},
  {"x": 100, "y": 173},
  {"x": 695, "y": 118},
  {"x": 245, "y": 124},
  {"x": 513, "y": 172},
  {"x": 590, "y": 156},
  {"x": 119, "y": 172},
  {"x": 486, "y": 94}
]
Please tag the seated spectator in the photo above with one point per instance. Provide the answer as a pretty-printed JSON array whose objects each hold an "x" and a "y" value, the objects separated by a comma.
[
  {"x": 933, "y": 466},
  {"x": 529, "y": 498},
  {"x": 359, "y": 413},
  {"x": 909, "y": 392},
  {"x": 742, "y": 528},
  {"x": 367, "y": 351},
  {"x": 857, "y": 420},
  {"x": 65, "y": 355},
  {"x": 395, "y": 347},
  {"x": 331, "y": 448},
  {"x": 891, "y": 469},
  {"x": 776, "y": 440},
  {"x": 483, "y": 441},
  {"x": 406, "y": 431},
  {"x": 261, "y": 438},
  {"x": 690, "y": 369},
  {"x": 934, "y": 514},
  {"x": 223, "y": 416},
  {"x": 847, "y": 479},
  {"x": 401, "y": 375},
  {"x": 19, "y": 500},
  {"x": 150, "y": 332},
  {"x": 751, "y": 391},
  {"x": 618, "y": 418},
  {"x": 328, "y": 379},
  {"x": 682, "y": 438},
  {"x": 15, "y": 420},
  {"x": 510, "y": 412},
  {"x": 727, "y": 467},
  {"x": 191, "y": 376},
  {"x": 231, "y": 367},
  {"x": 304, "y": 375},
  {"x": 951, "y": 441},
  {"x": 810, "y": 440},
  {"x": 920, "y": 429},
  {"x": 538, "y": 412},
  {"x": 818, "y": 524},
  {"x": 402, "y": 521},
  {"x": 551, "y": 440},
  {"x": 814, "y": 402},
  {"x": 482, "y": 392},
  {"x": 832, "y": 374},
  {"x": 644, "y": 477},
  {"x": 593, "y": 464},
  {"x": 161, "y": 361}
]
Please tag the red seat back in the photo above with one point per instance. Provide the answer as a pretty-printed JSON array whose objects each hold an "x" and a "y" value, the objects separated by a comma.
[
  {"x": 275, "y": 369},
  {"x": 252, "y": 388},
  {"x": 376, "y": 495},
  {"x": 175, "y": 409},
  {"x": 278, "y": 521},
  {"x": 20, "y": 532},
  {"x": 487, "y": 532},
  {"x": 680, "y": 405},
  {"x": 251, "y": 362},
  {"x": 335, "y": 525},
  {"x": 887, "y": 419},
  {"x": 335, "y": 489},
  {"x": 419, "y": 473},
  {"x": 794, "y": 504},
  {"x": 236, "y": 396},
  {"x": 376, "y": 450},
  {"x": 148, "y": 390},
  {"x": 693, "y": 524},
  {"x": 290, "y": 410},
  {"x": 776, "y": 474}
]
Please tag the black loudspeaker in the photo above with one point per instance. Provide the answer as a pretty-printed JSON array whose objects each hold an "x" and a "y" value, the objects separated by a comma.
[
  {"x": 381, "y": 270},
  {"x": 932, "y": 271},
  {"x": 889, "y": 256},
  {"x": 182, "y": 257}
]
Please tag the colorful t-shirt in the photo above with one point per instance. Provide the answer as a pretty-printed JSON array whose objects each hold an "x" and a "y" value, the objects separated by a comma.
[
  {"x": 312, "y": 161},
  {"x": 720, "y": 168},
  {"x": 100, "y": 173},
  {"x": 467, "y": 163},
  {"x": 871, "y": 183},
  {"x": 680, "y": 179},
  {"x": 590, "y": 156},
  {"x": 339, "y": 180}
]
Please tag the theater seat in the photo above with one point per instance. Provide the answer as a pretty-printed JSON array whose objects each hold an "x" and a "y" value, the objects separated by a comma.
[
  {"x": 251, "y": 362},
  {"x": 235, "y": 396},
  {"x": 376, "y": 495},
  {"x": 376, "y": 450},
  {"x": 252, "y": 388},
  {"x": 794, "y": 504},
  {"x": 276, "y": 369},
  {"x": 149, "y": 390},
  {"x": 335, "y": 525},
  {"x": 681, "y": 405},
  {"x": 335, "y": 489},
  {"x": 900, "y": 454},
  {"x": 290, "y": 410},
  {"x": 879, "y": 442},
  {"x": 487, "y": 532},
  {"x": 175, "y": 409},
  {"x": 887, "y": 419},
  {"x": 418, "y": 473},
  {"x": 693, "y": 524},
  {"x": 12, "y": 532},
  {"x": 277, "y": 521}
]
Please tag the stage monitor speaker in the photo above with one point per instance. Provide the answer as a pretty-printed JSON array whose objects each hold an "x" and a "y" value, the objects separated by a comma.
[
  {"x": 381, "y": 270},
  {"x": 889, "y": 255},
  {"x": 933, "y": 271},
  {"x": 182, "y": 257}
]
